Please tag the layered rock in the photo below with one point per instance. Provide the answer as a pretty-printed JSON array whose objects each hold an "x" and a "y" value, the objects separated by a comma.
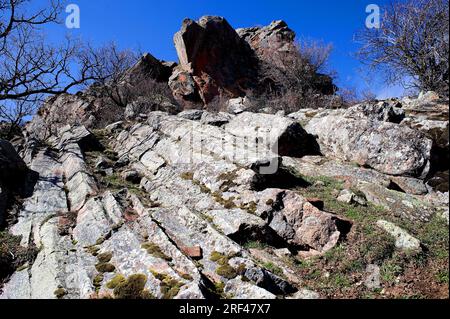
[
  {"x": 217, "y": 61},
  {"x": 387, "y": 147},
  {"x": 274, "y": 42},
  {"x": 213, "y": 60}
]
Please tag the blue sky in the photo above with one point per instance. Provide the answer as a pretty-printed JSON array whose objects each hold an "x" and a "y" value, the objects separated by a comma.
[{"x": 150, "y": 26}]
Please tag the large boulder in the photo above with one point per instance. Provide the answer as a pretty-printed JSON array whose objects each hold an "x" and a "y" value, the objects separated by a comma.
[
  {"x": 214, "y": 57},
  {"x": 60, "y": 111},
  {"x": 387, "y": 147},
  {"x": 283, "y": 135},
  {"x": 299, "y": 223},
  {"x": 274, "y": 42},
  {"x": 149, "y": 67},
  {"x": 429, "y": 114}
]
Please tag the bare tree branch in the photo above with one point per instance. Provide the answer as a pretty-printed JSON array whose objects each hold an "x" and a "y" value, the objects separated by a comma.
[{"x": 413, "y": 41}]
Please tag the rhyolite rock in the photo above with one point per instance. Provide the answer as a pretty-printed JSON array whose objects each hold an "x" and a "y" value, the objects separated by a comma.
[
  {"x": 206, "y": 199},
  {"x": 213, "y": 58},
  {"x": 387, "y": 147}
]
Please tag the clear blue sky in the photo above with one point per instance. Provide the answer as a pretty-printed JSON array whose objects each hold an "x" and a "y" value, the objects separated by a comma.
[{"x": 150, "y": 25}]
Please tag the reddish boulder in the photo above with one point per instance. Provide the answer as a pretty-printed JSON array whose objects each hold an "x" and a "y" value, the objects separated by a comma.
[{"x": 214, "y": 58}]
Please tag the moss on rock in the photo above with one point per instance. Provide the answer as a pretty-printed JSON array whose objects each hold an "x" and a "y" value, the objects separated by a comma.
[
  {"x": 113, "y": 283},
  {"x": 105, "y": 257},
  {"x": 105, "y": 267},
  {"x": 132, "y": 288},
  {"x": 60, "y": 293},
  {"x": 155, "y": 251}
]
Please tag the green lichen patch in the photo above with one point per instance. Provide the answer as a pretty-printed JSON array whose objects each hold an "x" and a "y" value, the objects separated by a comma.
[
  {"x": 224, "y": 269},
  {"x": 60, "y": 293},
  {"x": 228, "y": 179},
  {"x": 203, "y": 188},
  {"x": 226, "y": 203},
  {"x": 155, "y": 251},
  {"x": 187, "y": 176},
  {"x": 147, "y": 295},
  {"x": 98, "y": 280},
  {"x": 117, "y": 280},
  {"x": 250, "y": 207},
  {"x": 187, "y": 277},
  {"x": 169, "y": 286},
  {"x": 93, "y": 250},
  {"x": 104, "y": 257},
  {"x": 218, "y": 258},
  {"x": 132, "y": 288},
  {"x": 100, "y": 241},
  {"x": 219, "y": 287},
  {"x": 105, "y": 267}
]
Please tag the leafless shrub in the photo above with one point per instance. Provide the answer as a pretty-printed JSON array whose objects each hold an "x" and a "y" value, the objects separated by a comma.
[
  {"x": 218, "y": 104},
  {"x": 122, "y": 86},
  {"x": 351, "y": 96},
  {"x": 298, "y": 81},
  {"x": 413, "y": 41}
]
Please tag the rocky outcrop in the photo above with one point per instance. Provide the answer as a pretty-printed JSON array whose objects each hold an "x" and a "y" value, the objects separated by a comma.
[
  {"x": 177, "y": 198},
  {"x": 217, "y": 61},
  {"x": 236, "y": 204},
  {"x": 149, "y": 67},
  {"x": 274, "y": 42},
  {"x": 387, "y": 147},
  {"x": 213, "y": 58},
  {"x": 199, "y": 203}
]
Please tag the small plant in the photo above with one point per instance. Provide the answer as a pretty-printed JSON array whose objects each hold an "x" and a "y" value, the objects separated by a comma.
[
  {"x": 442, "y": 277},
  {"x": 169, "y": 286},
  {"x": 188, "y": 176},
  {"x": 390, "y": 270},
  {"x": 105, "y": 267},
  {"x": 155, "y": 251},
  {"x": 113, "y": 283},
  {"x": 60, "y": 293},
  {"x": 224, "y": 269},
  {"x": 255, "y": 245},
  {"x": 132, "y": 288},
  {"x": 341, "y": 281}
]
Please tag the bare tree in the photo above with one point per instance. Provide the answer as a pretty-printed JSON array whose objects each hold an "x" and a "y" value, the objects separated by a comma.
[
  {"x": 111, "y": 73},
  {"x": 30, "y": 68},
  {"x": 413, "y": 40}
]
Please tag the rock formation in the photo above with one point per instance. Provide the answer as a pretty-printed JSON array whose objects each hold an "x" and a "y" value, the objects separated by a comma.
[
  {"x": 246, "y": 205},
  {"x": 218, "y": 61}
]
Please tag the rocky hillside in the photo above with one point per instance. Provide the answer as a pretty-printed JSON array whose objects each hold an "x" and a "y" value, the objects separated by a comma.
[{"x": 346, "y": 203}]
